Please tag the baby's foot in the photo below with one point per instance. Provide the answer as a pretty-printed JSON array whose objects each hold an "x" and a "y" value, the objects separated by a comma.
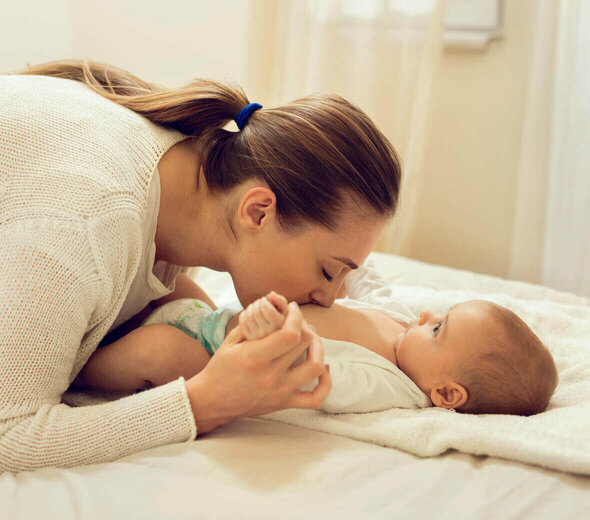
[{"x": 263, "y": 316}]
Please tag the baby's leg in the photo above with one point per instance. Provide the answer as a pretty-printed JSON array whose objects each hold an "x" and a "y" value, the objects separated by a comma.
[{"x": 155, "y": 354}]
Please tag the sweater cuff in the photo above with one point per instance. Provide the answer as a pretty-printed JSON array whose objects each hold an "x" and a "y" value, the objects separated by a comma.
[
  {"x": 189, "y": 410},
  {"x": 166, "y": 407}
]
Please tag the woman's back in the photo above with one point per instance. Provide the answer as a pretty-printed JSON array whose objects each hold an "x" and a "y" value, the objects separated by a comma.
[{"x": 74, "y": 178}]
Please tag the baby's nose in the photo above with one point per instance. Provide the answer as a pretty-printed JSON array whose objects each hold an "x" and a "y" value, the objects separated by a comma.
[{"x": 425, "y": 317}]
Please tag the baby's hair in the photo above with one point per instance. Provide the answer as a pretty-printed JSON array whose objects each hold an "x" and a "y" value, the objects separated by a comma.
[{"x": 513, "y": 374}]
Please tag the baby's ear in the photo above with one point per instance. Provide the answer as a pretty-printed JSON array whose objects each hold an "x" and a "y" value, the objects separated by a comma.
[{"x": 449, "y": 395}]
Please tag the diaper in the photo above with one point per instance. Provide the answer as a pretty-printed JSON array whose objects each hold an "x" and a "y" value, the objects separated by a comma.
[{"x": 197, "y": 319}]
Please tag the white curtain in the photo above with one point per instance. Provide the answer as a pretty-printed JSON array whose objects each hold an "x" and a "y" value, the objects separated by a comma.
[
  {"x": 379, "y": 54},
  {"x": 552, "y": 223}
]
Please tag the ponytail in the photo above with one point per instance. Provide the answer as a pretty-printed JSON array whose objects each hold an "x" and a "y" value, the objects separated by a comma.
[
  {"x": 191, "y": 109},
  {"x": 310, "y": 152}
]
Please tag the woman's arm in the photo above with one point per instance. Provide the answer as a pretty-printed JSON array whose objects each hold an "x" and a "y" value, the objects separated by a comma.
[
  {"x": 184, "y": 287},
  {"x": 52, "y": 292}
]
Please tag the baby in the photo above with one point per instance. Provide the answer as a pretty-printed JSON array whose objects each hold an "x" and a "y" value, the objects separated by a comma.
[{"x": 478, "y": 357}]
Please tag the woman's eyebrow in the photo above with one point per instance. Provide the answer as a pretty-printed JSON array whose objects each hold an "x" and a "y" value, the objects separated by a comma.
[{"x": 346, "y": 261}]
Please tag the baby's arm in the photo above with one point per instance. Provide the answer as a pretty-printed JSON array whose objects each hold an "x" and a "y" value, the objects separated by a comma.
[
  {"x": 155, "y": 354},
  {"x": 259, "y": 319}
]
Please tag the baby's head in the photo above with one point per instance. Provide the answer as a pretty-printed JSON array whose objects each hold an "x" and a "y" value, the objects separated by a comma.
[{"x": 478, "y": 358}]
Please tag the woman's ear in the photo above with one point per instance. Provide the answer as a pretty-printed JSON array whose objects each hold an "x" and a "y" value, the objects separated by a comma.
[
  {"x": 256, "y": 209},
  {"x": 450, "y": 395}
]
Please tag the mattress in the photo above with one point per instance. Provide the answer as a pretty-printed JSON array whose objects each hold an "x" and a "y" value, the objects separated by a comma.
[{"x": 256, "y": 468}]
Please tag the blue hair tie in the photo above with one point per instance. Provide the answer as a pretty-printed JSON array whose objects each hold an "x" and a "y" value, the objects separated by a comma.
[{"x": 245, "y": 113}]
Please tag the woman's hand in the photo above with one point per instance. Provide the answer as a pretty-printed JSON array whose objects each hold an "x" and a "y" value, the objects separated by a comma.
[{"x": 248, "y": 378}]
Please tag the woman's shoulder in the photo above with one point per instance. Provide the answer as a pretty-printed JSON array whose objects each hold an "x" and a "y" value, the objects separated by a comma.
[
  {"x": 72, "y": 120},
  {"x": 65, "y": 148}
]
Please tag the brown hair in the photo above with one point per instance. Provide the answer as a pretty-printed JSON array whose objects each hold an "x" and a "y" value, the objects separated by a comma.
[
  {"x": 514, "y": 374},
  {"x": 311, "y": 152}
]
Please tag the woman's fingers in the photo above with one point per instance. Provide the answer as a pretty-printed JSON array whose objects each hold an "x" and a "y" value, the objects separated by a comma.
[
  {"x": 235, "y": 336},
  {"x": 315, "y": 398},
  {"x": 304, "y": 372},
  {"x": 310, "y": 343}
]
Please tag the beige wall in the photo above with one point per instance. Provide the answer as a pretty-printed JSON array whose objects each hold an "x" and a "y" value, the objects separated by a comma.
[
  {"x": 472, "y": 149},
  {"x": 166, "y": 43},
  {"x": 34, "y": 32}
]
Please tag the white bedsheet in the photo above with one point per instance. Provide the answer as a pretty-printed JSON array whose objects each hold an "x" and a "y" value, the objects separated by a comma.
[{"x": 259, "y": 469}]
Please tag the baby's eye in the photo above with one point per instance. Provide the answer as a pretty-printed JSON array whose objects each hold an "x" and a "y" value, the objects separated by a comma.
[
  {"x": 326, "y": 275},
  {"x": 436, "y": 328}
]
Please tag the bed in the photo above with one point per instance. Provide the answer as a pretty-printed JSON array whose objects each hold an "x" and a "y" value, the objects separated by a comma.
[{"x": 267, "y": 468}]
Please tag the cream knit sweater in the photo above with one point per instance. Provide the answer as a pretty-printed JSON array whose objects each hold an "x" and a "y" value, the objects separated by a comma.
[{"x": 75, "y": 170}]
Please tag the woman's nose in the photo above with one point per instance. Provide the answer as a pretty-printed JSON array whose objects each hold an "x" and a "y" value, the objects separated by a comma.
[
  {"x": 326, "y": 297},
  {"x": 425, "y": 317}
]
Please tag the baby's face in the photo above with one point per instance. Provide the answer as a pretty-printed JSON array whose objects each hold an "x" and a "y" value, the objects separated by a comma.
[{"x": 432, "y": 345}]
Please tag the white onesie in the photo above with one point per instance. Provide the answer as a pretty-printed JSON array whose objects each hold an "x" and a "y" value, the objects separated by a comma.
[{"x": 363, "y": 381}]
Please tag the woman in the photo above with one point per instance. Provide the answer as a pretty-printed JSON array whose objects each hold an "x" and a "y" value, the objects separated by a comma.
[{"x": 108, "y": 185}]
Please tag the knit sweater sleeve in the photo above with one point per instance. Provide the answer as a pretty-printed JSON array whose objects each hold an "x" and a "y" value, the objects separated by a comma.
[{"x": 52, "y": 305}]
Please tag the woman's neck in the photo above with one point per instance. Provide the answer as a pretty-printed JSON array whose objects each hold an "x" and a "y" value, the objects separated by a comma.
[{"x": 190, "y": 229}]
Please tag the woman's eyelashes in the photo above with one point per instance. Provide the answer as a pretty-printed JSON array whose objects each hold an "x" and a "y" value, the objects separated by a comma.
[
  {"x": 326, "y": 275},
  {"x": 436, "y": 328}
]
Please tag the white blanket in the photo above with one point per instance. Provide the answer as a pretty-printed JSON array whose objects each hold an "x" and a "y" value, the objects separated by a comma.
[{"x": 558, "y": 438}]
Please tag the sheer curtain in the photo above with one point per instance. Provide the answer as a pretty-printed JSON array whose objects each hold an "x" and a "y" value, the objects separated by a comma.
[
  {"x": 552, "y": 223},
  {"x": 379, "y": 54}
]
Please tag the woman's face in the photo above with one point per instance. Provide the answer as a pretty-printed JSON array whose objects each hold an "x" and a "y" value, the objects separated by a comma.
[{"x": 304, "y": 266}]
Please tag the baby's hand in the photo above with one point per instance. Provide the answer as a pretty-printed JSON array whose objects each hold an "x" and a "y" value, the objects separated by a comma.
[{"x": 263, "y": 316}]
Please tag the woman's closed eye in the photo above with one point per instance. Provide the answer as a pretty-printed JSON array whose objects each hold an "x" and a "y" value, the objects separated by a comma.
[
  {"x": 436, "y": 328},
  {"x": 326, "y": 275}
]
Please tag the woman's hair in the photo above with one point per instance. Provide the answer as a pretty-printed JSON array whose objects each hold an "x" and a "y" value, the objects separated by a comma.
[
  {"x": 513, "y": 374},
  {"x": 313, "y": 152}
]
